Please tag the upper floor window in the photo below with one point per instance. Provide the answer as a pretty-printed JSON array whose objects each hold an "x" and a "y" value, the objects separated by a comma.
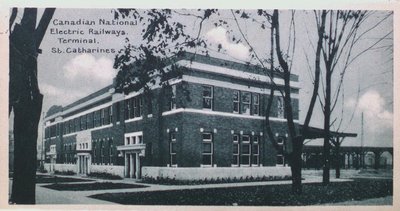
[
  {"x": 173, "y": 98},
  {"x": 149, "y": 105},
  {"x": 256, "y": 104},
  {"x": 280, "y": 108},
  {"x": 89, "y": 120},
  {"x": 246, "y": 101},
  {"x": 135, "y": 107},
  {"x": 236, "y": 101},
  {"x": 117, "y": 111},
  {"x": 208, "y": 97},
  {"x": 140, "y": 106},
  {"x": 83, "y": 122},
  {"x": 134, "y": 138}
]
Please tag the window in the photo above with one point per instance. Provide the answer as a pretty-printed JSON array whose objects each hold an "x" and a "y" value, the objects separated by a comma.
[
  {"x": 110, "y": 152},
  {"x": 65, "y": 128},
  {"x": 280, "y": 108},
  {"x": 256, "y": 104},
  {"x": 208, "y": 97},
  {"x": 236, "y": 101},
  {"x": 77, "y": 124},
  {"x": 173, "y": 98},
  {"x": 83, "y": 122},
  {"x": 103, "y": 114},
  {"x": 246, "y": 101},
  {"x": 135, "y": 107},
  {"x": 56, "y": 129},
  {"x": 118, "y": 111},
  {"x": 134, "y": 138},
  {"x": 235, "y": 158},
  {"x": 140, "y": 106},
  {"x": 110, "y": 120},
  {"x": 207, "y": 150},
  {"x": 99, "y": 118},
  {"x": 149, "y": 106},
  {"x": 102, "y": 151},
  {"x": 255, "y": 150},
  {"x": 88, "y": 120},
  {"x": 71, "y": 126},
  {"x": 280, "y": 159},
  {"x": 245, "y": 151},
  {"x": 172, "y": 149},
  {"x": 94, "y": 119},
  {"x": 127, "y": 108},
  {"x": 94, "y": 152}
]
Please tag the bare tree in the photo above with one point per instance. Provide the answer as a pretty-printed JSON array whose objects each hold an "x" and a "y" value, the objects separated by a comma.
[
  {"x": 25, "y": 99},
  {"x": 294, "y": 147},
  {"x": 342, "y": 34}
]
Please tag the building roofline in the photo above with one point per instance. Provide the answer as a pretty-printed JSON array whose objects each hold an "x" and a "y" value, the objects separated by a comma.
[{"x": 181, "y": 56}]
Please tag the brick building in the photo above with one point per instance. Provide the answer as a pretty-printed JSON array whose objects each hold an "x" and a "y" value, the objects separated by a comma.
[{"x": 212, "y": 115}]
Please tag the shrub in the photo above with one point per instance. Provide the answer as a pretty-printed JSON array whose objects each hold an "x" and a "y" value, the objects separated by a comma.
[
  {"x": 42, "y": 170},
  {"x": 104, "y": 175},
  {"x": 64, "y": 172},
  {"x": 173, "y": 181}
]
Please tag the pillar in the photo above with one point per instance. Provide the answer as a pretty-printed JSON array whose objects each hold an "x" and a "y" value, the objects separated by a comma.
[
  {"x": 137, "y": 165},
  {"x": 126, "y": 165},
  {"x": 77, "y": 164},
  {"x": 131, "y": 166},
  {"x": 89, "y": 161},
  {"x": 377, "y": 159}
]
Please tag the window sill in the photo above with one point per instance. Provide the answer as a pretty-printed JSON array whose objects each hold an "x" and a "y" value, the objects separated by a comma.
[{"x": 134, "y": 119}]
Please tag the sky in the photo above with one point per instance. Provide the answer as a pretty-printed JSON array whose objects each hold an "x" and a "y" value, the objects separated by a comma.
[{"x": 66, "y": 77}]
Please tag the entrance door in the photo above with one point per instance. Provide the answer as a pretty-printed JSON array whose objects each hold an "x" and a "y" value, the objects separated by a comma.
[{"x": 131, "y": 165}]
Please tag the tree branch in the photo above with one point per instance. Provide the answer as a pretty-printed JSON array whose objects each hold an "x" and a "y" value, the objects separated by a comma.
[{"x": 43, "y": 24}]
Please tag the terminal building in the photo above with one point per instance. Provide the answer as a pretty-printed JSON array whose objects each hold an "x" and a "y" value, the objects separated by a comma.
[{"x": 211, "y": 116}]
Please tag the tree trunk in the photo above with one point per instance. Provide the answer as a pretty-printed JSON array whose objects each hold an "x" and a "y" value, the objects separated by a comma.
[
  {"x": 26, "y": 121},
  {"x": 337, "y": 155},
  {"x": 295, "y": 165},
  {"x": 327, "y": 120},
  {"x": 25, "y": 100}
]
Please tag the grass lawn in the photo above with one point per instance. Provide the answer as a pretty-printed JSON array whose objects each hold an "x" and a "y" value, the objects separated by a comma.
[
  {"x": 55, "y": 179},
  {"x": 271, "y": 195},
  {"x": 92, "y": 186}
]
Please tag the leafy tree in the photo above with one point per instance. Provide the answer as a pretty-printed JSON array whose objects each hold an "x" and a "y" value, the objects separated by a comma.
[{"x": 25, "y": 99}]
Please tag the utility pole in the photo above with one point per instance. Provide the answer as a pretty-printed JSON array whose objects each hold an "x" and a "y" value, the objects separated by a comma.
[{"x": 362, "y": 139}]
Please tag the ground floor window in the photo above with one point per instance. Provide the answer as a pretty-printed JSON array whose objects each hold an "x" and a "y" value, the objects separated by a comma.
[
  {"x": 255, "y": 149},
  {"x": 235, "y": 158},
  {"x": 280, "y": 159},
  {"x": 207, "y": 150},
  {"x": 246, "y": 150},
  {"x": 172, "y": 149}
]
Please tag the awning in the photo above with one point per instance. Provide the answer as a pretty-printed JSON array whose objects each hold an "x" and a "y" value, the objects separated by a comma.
[{"x": 314, "y": 133}]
